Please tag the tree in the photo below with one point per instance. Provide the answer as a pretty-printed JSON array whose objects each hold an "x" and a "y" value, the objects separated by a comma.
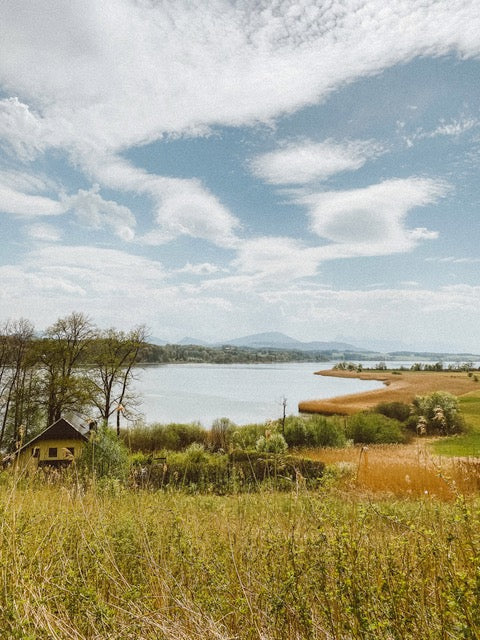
[
  {"x": 60, "y": 352},
  {"x": 18, "y": 388},
  {"x": 221, "y": 433},
  {"x": 113, "y": 356}
]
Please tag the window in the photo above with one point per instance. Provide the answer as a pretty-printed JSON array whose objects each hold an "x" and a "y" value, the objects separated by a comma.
[
  {"x": 70, "y": 451},
  {"x": 52, "y": 452},
  {"x": 36, "y": 452}
]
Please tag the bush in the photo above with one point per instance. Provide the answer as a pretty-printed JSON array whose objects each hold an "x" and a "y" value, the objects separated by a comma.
[
  {"x": 325, "y": 432},
  {"x": 246, "y": 436},
  {"x": 274, "y": 443},
  {"x": 296, "y": 432},
  {"x": 104, "y": 455},
  {"x": 314, "y": 431},
  {"x": 396, "y": 410},
  {"x": 374, "y": 428},
  {"x": 173, "y": 436},
  {"x": 196, "y": 470},
  {"x": 220, "y": 434},
  {"x": 439, "y": 413}
]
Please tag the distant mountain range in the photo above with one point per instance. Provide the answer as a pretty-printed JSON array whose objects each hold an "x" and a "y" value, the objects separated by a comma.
[
  {"x": 268, "y": 340},
  {"x": 276, "y": 340},
  {"x": 280, "y": 341}
]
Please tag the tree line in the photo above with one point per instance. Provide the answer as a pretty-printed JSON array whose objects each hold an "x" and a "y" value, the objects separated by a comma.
[
  {"x": 226, "y": 354},
  {"x": 73, "y": 367}
]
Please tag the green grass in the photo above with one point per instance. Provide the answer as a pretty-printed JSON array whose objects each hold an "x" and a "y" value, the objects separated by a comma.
[
  {"x": 470, "y": 408},
  {"x": 467, "y": 444},
  {"x": 462, "y": 445},
  {"x": 111, "y": 563}
]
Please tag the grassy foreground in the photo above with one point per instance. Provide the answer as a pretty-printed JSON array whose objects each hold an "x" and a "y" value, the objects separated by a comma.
[{"x": 114, "y": 564}]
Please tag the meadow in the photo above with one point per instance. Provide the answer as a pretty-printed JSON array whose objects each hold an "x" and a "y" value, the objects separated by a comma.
[
  {"x": 386, "y": 547},
  {"x": 104, "y": 562}
]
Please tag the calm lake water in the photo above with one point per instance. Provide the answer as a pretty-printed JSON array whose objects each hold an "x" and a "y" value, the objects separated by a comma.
[{"x": 244, "y": 393}]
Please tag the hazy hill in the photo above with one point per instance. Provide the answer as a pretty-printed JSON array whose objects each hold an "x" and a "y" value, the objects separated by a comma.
[{"x": 276, "y": 340}]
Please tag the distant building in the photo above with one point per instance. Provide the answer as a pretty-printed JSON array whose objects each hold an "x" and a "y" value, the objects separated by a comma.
[{"x": 56, "y": 446}]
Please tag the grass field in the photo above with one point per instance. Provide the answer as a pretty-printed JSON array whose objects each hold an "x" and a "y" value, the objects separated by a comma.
[
  {"x": 466, "y": 444},
  {"x": 110, "y": 564},
  {"x": 388, "y": 548},
  {"x": 401, "y": 386}
]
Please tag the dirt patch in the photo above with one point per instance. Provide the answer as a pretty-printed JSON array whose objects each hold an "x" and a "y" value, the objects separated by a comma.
[{"x": 399, "y": 387}]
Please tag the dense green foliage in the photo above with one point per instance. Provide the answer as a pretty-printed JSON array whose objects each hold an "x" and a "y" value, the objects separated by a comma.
[
  {"x": 155, "y": 437},
  {"x": 400, "y": 411},
  {"x": 297, "y": 432},
  {"x": 171, "y": 353},
  {"x": 438, "y": 413},
  {"x": 374, "y": 428},
  {"x": 197, "y": 470},
  {"x": 152, "y": 565},
  {"x": 104, "y": 456}
]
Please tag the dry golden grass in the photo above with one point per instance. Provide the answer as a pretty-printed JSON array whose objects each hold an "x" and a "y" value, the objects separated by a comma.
[
  {"x": 401, "y": 387},
  {"x": 403, "y": 470}
]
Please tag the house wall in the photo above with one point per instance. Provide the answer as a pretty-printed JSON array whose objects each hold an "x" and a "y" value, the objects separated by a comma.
[{"x": 26, "y": 457}]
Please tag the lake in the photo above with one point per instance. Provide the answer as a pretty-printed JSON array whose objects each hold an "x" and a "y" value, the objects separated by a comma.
[{"x": 242, "y": 392}]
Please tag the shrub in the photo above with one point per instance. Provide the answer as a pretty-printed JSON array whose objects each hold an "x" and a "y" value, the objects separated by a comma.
[
  {"x": 397, "y": 410},
  {"x": 246, "y": 436},
  {"x": 314, "y": 431},
  {"x": 196, "y": 470},
  {"x": 374, "y": 428},
  {"x": 220, "y": 434},
  {"x": 325, "y": 432},
  {"x": 439, "y": 413},
  {"x": 296, "y": 432},
  {"x": 274, "y": 443},
  {"x": 173, "y": 436},
  {"x": 104, "y": 455}
]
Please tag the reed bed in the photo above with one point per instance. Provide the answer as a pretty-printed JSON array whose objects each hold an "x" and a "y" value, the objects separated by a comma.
[
  {"x": 402, "y": 470},
  {"x": 104, "y": 562},
  {"x": 400, "y": 386}
]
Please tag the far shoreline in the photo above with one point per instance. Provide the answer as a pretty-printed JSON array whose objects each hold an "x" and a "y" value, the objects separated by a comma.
[{"x": 399, "y": 386}]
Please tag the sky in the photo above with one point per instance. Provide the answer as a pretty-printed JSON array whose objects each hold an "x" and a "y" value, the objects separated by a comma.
[{"x": 215, "y": 168}]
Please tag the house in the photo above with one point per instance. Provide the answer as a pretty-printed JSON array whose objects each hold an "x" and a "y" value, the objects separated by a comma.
[{"x": 56, "y": 446}]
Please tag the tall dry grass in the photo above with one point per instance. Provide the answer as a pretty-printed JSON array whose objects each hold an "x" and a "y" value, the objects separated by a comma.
[
  {"x": 107, "y": 563},
  {"x": 401, "y": 386},
  {"x": 402, "y": 470}
]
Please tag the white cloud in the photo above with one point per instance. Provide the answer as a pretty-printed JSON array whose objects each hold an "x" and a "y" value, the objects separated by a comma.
[
  {"x": 372, "y": 219},
  {"x": 453, "y": 128},
  {"x": 25, "y": 204},
  {"x": 98, "y": 270},
  {"x": 96, "y": 213},
  {"x": 118, "y": 73},
  {"x": 21, "y": 195},
  {"x": 22, "y": 130},
  {"x": 278, "y": 258},
  {"x": 453, "y": 260},
  {"x": 201, "y": 269},
  {"x": 304, "y": 162},
  {"x": 44, "y": 232},
  {"x": 97, "y": 78},
  {"x": 182, "y": 207},
  {"x": 55, "y": 280}
]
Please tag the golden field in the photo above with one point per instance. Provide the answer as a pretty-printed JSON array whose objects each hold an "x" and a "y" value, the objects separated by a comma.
[
  {"x": 395, "y": 470},
  {"x": 401, "y": 386}
]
